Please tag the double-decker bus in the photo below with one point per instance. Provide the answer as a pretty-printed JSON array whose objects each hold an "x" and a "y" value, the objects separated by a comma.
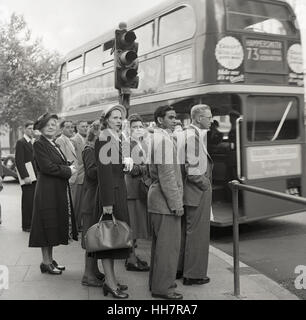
[{"x": 241, "y": 57}]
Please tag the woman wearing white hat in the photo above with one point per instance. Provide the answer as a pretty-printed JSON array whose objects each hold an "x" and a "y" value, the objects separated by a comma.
[{"x": 112, "y": 194}]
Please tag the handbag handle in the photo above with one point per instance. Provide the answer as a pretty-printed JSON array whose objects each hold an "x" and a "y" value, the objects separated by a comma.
[{"x": 113, "y": 217}]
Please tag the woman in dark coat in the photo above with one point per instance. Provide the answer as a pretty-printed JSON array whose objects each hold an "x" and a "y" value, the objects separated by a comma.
[
  {"x": 52, "y": 200},
  {"x": 137, "y": 184},
  {"x": 92, "y": 276},
  {"x": 112, "y": 196}
]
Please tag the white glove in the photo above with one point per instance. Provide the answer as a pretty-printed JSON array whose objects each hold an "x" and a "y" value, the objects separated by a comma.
[
  {"x": 73, "y": 169},
  {"x": 129, "y": 164}
]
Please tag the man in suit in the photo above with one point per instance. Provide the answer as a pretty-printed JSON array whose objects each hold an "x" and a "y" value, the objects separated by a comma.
[
  {"x": 68, "y": 149},
  {"x": 79, "y": 144},
  {"x": 165, "y": 204},
  {"x": 24, "y": 158},
  {"x": 193, "y": 262}
]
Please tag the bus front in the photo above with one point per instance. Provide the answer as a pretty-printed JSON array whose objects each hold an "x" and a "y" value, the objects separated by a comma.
[{"x": 258, "y": 105}]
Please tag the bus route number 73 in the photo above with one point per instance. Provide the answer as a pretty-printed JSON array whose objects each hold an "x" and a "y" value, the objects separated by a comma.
[{"x": 253, "y": 54}]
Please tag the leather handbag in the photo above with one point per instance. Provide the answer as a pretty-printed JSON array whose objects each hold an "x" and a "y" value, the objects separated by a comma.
[{"x": 108, "y": 235}]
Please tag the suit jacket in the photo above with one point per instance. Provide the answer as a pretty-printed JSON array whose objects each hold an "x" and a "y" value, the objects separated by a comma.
[
  {"x": 197, "y": 171},
  {"x": 24, "y": 154},
  {"x": 79, "y": 146},
  {"x": 166, "y": 191},
  {"x": 70, "y": 154}
]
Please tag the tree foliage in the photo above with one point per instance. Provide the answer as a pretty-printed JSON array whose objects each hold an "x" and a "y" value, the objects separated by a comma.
[{"x": 28, "y": 84}]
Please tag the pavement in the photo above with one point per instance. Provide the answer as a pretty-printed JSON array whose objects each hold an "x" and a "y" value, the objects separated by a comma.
[{"x": 26, "y": 282}]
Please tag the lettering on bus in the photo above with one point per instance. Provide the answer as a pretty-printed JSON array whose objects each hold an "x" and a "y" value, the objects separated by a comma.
[
  {"x": 229, "y": 54},
  {"x": 264, "y": 56},
  {"x": 273, "y": 161}
]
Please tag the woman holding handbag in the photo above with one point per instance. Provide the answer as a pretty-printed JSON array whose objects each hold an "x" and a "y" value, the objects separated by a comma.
[
  {"x": 112, "y": 195},
  {"x": 137, "y": 184}
]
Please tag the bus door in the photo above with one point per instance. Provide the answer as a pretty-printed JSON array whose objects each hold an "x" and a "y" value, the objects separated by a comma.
[{"x": 270, "y": 137}]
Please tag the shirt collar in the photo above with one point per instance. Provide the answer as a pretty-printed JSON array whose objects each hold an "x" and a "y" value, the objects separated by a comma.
[{"x": 28, "y": 139}]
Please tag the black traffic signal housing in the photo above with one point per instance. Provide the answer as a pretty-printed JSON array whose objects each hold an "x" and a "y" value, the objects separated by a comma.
[{"x": 126, "y": 60}]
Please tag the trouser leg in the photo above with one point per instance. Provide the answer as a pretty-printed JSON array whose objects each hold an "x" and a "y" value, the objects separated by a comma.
[
  {"x": 197, "y": 238},
  {"x": 167, "y": 230},
  {"x": 180, "y": 267},
  {"x": 27, "y": 205}
]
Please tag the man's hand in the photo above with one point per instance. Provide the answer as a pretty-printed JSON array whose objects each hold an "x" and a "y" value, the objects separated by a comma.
[
  {"x": 179, "y": 213},
  {"x": 108, "y": 210},
  {"x": 27, "y": 181}
]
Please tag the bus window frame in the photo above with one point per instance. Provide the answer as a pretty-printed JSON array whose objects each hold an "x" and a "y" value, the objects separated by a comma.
[
  {"x": 85, "y": 54},
  {"x": 82, "y": 56},
  {"x": 176, "y": 8},
  {"x": 248, "y": 143},
  {"x": 264, "y": 34},
  {"x": 154, "y": 23}
]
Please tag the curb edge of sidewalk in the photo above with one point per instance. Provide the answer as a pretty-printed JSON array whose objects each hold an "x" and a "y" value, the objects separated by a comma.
[{"x": 263, "y": 281}]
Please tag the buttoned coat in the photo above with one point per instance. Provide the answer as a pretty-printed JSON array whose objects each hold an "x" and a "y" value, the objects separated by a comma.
[
  {"x": 50, "y": 224},
  {"x": 79, "y": 146},
  {"x": 166, "y": 191},
  {"x": 69, "y": 153}
]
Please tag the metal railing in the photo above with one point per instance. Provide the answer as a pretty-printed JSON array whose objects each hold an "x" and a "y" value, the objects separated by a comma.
[{"x": 236, "y": 186}]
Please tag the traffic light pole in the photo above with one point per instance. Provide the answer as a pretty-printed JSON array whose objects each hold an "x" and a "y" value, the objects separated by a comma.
[{"x": 125, "y": 98}]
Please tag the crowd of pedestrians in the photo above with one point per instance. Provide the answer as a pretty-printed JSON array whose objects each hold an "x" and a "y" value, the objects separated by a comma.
[{"x": 67, "y": 186}]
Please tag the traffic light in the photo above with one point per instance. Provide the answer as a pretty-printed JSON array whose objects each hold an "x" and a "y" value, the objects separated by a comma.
[{"x": 126, "y": 60}]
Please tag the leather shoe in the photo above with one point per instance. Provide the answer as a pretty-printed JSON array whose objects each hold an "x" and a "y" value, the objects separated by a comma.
[
  {"x": 174, "y": 286},
  {"x": 169, "y": 296},
  {"x": 190, "y": 282},
  {"x": 136, "y": 267},
  {"x": 92, "y": 282},
  {"x": 62, "y": 268}
]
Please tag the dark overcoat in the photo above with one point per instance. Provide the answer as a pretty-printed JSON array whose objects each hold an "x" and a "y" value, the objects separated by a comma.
[
  {"x": 50, "y": 225},
  {"x": 111, "y": 189}
]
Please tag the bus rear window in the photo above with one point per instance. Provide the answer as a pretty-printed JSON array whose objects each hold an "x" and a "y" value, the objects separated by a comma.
[
  {"x": 272, "y": 119},
  {"x": 258, "y": 16}
]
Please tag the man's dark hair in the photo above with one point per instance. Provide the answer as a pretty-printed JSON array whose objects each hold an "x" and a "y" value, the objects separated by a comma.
[
  {"x": 63, "y": 123},
  {"x": 28, "y": 123},
  {"x": 161, "y": 112},
  {"x": 135, "y": 118}
]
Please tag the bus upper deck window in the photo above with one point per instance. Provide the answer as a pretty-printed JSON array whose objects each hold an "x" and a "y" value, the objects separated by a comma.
[
  {"x": 261, "y": 17},
  {"x": 93, "y": 60},
  {"x": 145, "y": 36},
  {"x": 177, "y": 26},
  {"x": 75, "y": 68}
]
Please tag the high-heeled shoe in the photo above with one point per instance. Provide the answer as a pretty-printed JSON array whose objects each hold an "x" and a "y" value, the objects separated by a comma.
[
  {"x": 62, "y": 268},
  {"x": 117, "y": 294},
  {"x": 122, "y": 287},
  {"x": 49, "y": 268}
]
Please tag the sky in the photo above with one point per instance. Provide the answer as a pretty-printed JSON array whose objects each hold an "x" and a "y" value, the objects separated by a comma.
[{"x": 66, "y": 24}]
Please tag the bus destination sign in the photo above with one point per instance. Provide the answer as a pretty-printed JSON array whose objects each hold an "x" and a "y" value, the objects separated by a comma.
[{"x": 264, "y": 56}]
